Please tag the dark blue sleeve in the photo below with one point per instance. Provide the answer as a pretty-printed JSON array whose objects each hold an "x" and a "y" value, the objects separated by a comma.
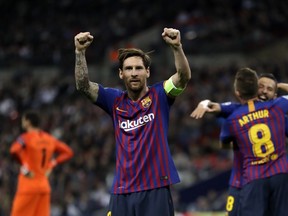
[
  {"x": 227, "y": 108},
  {"x": 162, "y": 93},
  {"x": 225, "y": 135},
  {"x": 106, "y": 98},
  {"x": 282, "y": 103},
  {"x": 286, "y": 126}
]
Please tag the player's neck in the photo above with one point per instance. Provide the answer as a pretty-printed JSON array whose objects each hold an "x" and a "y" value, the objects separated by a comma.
[
  {"x": 252, "y": 99},
  {"x": 135, "y": 96},
  {"x": 31, "y": 129}
]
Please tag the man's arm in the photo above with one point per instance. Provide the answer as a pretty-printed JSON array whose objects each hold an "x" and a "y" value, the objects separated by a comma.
[
  {"x": 283, "y": 86},
  {"x": 16, "y": 151},
  {"x": 205, "y": 106},
  {"x": 183, "y": 72},
  {"x": 227, "y": 140},
  {"x": 64, "y": 153},
  {"x": 226, "y": 145},
  {"x": 83, "y": 84}
]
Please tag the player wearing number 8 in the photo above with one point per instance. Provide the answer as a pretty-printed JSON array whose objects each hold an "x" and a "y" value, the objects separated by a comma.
[
  {"x": 267, "y": 90},
  {"x": 34, "y": 150},
  {"x": 258, "y": 129}
]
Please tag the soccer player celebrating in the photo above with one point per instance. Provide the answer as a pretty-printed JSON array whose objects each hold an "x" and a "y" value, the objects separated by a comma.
[
  {"x": 258, "y": 129},
  {"x": 38, "y": 153},
  {"x": 144, "y": 166},
  {"x": 267, "y": 90}
]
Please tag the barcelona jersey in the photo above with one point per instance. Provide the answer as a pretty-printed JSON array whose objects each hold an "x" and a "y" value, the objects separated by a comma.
[
  {"x": 143, "y": 158},
  {"x": 258, "y": 128}
]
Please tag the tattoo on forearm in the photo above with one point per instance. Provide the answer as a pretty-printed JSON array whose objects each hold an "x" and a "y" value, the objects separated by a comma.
[{"x": 81, "y": 73}]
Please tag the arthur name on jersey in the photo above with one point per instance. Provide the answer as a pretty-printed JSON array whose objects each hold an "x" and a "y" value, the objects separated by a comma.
[
  {"x": 129, "y": 125},
  {"x": 253, "y": 116}
]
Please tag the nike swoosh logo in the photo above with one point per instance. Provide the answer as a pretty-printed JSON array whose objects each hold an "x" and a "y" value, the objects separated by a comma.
[{"x": 117, "y": 108}]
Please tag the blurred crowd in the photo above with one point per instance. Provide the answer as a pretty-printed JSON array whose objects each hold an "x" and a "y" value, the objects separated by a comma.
[{"x": 41, "y": 34}]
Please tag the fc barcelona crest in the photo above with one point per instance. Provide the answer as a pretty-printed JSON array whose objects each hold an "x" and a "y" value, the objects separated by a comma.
[{"x": 146, "y": 102}]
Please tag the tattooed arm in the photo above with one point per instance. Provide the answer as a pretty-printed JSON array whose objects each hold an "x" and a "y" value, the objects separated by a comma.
[{"x": 83, "y": 84}]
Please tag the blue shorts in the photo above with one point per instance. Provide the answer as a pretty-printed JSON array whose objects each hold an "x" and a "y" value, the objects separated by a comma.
[
  {"x": 265, "y": 197},
  {"x": 155, "y": 202},
  {"x": 233, "y": 201}
]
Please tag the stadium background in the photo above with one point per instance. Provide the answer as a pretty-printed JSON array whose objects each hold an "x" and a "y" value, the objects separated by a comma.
[{"x": 37, "y": 71}]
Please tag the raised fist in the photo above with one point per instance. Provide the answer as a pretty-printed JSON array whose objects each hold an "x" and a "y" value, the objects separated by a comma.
[
  {"x": 83, "y": 40},
  {"x": 172, "y": 36}
]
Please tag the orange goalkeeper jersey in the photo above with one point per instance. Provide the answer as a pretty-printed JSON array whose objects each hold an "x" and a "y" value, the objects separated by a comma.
[{"x": 38, "y": 151}]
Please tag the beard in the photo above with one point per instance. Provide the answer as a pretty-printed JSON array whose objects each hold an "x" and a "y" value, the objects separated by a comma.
[{"x": 135, "y": 86}]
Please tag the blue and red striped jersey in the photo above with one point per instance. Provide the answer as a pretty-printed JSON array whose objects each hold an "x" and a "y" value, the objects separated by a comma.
[
  {"x": 237, "y": 171},
  {"x": 258, "y": 128},
  {"x": 143, "y": 158}
]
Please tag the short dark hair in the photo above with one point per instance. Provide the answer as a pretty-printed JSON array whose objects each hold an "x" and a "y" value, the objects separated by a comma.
[
  {"x": 246, "y": 83},
  {"x": 33, "y": 117},
  {"x": 268, "y": 75},
  {"x": 125, "y": 53}
]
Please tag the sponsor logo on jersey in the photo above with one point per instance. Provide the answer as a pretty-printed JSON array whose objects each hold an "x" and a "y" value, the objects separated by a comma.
[
  {"x": 266, "y": 159},
  {"x": 129, "y": 125},
  {"x": 120, "y": 110}
]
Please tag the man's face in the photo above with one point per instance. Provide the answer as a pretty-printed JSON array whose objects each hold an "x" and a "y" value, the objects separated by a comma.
[
  {"x": 267, "y": 89},
  {"x": 134, "y": 74}
]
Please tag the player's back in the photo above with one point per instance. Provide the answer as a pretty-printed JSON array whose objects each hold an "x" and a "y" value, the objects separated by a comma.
[
  {"x": 259, "y": 131},
  {"x": 38, "y": 150}
]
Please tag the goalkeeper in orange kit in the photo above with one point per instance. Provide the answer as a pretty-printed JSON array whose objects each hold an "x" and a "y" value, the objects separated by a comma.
[{"x": 38, "y": 152}]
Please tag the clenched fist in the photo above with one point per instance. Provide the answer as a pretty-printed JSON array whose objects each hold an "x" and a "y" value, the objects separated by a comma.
[
  {"x": 83, "y": 40},
  {"x": 172, "y": 36}
]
